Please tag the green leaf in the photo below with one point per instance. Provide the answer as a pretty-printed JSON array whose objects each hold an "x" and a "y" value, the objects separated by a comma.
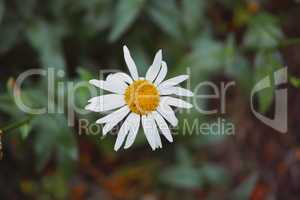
[
  {"x": 82, "y": 94},
  {"x": 182, "y": 177},
  {"x": 55, "y": 137},
  {"x": 209, "y": 140},
  {"x": 295, "y": 82},
  {"x": 265, "y": 64},
  {"x": 25, "y": 130},
  {"x": 97, "y": 16},
  {"x": 263, "y": 32},
  {"x": 46, "y": 39},
  {"x": 9, "y": 35},
  {"x": 244, "y": 190},
  {"x": 8, "y": 106},
  {"x": 183, "y": 156},
  {"x": 84, "y": 74},
  {"x": 237, "y": 66},
  {"x": 193, "y": 14},
  {"x": 206, "y": 57},
  {"x": 125, "y": 14},
  {"x": 213, "y": 174},
  {"x": 241, "y": 71},
  {"x": 183, "y": 174},
  {"x": 230, "y": 52},
  {"x": 167, "y": 16},
  {"x": 219, "y": 129}
]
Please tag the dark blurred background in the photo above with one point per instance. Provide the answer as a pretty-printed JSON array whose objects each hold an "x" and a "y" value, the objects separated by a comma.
[{"x": 219, "y": 40}]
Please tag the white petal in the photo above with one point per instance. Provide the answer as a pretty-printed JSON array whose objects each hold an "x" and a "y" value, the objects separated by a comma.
[
  {"x": 163, "y": 126},
  {"x": 105, "y": 102},
  {"x": 174, "y": 81},
  {"x": 112, "y": 85},
  {"x": 133, "y": 130},
  {"x": 148, "y": 127},
  {"x": 162, "y": 73},
  {"x": 165, "y": 90},
  {"x": 124, "y": 131},
  {"x": 155, "y": 132},
  {"x": 175, "y": 102},
  {"x": 167, "y": 112},
  {"x": 130, "y": 63},
  {"x": 155, "y": 67},
  {"x": 97, "y": 83},
  {"x": 179, "y": 91},
  {"x": 114, "y": 121},
  {"x": 114, "y": 115},
  {"x": 110, "y": 125},
  {"x": 122, "y": 76},
  {"x": 175, "y": 90}
]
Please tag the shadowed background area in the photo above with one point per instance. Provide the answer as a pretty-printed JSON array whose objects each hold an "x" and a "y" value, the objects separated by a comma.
[{"x": 218, "y": 41}]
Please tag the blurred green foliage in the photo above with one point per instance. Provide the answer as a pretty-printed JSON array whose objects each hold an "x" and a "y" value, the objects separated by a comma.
[{"x": 78, "y": 36}]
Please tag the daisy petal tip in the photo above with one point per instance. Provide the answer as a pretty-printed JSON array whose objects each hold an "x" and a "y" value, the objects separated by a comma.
[
  {"x": 125, "y": 48},
  {"x": 103, "y": 135},
  {"x": 152, "y": 147},
  {"x": 88, "y": 107},
  {"x": 109, "y": 76},
  {"x": 91, "y": 81},
  {"x": 186, "y": 76},
  {"x": 189, "y": 93},
  {"x": 126, "y": 146},
  {"x": 99, "y": 121},
  {"x": 117, "y": 147},
  {"x": 170, "y": 139},
  {"x": 160, "y": 51},
  {"x": 158, "y": 55},
  {"x": 189, "y": 106},
  {"x": 104, "y": 131}
]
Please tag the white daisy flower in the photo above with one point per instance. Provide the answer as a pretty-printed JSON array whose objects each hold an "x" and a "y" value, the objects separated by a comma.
[{"x": 139, "y": 100}]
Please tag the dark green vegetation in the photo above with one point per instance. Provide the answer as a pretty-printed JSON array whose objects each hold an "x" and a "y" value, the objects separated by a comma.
[{"x": 241, "y": 41}]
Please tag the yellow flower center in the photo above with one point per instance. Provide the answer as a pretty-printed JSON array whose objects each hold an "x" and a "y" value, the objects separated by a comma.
[{"x": 142, "y": 97}]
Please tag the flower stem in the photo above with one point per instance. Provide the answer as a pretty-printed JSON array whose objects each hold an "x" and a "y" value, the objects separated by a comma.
[{"x": 16, "y": 124}]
